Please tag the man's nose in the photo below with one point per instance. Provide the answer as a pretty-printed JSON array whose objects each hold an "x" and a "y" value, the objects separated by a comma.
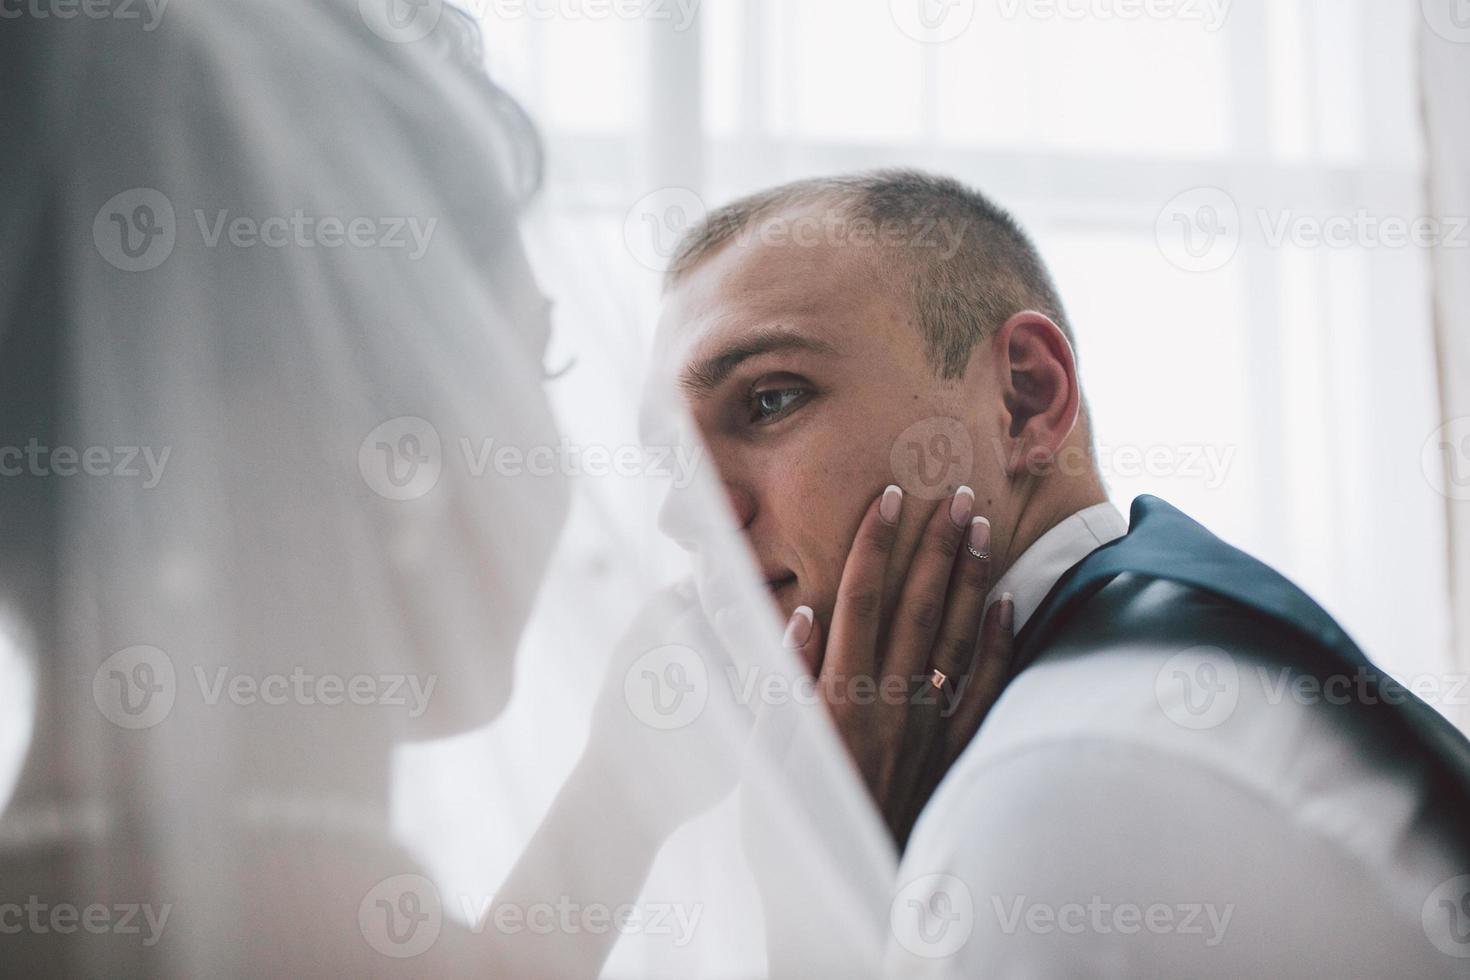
[{"x": 689, "y": 517}]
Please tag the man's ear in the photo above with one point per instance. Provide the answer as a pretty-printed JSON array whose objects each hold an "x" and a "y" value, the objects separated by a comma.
[{"x": 1039, "y": 389}]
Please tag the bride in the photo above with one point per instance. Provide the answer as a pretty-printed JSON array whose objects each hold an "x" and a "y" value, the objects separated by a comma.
[{"x": 263, "y": 281}]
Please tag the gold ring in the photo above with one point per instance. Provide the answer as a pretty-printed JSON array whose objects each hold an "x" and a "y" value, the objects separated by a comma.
[{"x": 938, "y": 678}]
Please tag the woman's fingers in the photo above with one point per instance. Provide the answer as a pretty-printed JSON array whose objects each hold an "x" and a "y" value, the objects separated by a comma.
[
  {"x": 986, "y": 679},
  {"x": 934, "y": 625},
  {"x": 804, "y": 636},
  {"x": 925, "y": 599},
  {"x": 958, "y": 641},
  {"x": 856, "y": 620}
]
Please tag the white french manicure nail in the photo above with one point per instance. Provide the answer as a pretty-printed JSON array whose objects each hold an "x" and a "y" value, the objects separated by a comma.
[
  {"x": 799, "y": 627},
  {"x": 889, "y": 506},
  {"x": 979, "y": 540},
  {"x": 961, "y": 505}
]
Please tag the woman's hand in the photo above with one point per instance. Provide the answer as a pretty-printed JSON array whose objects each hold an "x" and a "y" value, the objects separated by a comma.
[
  {"x": 908, "y": 689},
  {"x": 683, "y": 765}
]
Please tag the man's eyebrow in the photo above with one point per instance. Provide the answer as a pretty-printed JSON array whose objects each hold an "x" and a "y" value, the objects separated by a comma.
[{"x": 708, "y": 373}]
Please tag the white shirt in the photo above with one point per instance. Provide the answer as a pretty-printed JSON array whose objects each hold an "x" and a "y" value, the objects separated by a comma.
[{"x": 1113, "y": 817}]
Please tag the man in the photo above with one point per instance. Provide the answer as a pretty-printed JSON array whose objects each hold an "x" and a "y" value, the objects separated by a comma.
[{"x": 1156, "y": 792}]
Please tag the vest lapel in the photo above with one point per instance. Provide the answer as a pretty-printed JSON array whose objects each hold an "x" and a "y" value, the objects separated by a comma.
[{"x": 1163, "y": 543}]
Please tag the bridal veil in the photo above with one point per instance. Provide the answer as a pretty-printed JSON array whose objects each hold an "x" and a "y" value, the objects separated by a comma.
[{"x": 315, "y": 603}]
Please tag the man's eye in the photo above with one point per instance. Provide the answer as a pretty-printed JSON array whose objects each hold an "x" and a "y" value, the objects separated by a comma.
[{"x": 767, "y": 406}]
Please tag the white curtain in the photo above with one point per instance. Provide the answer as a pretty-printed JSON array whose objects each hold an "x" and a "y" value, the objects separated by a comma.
[{"x": 1445, "y": 47}]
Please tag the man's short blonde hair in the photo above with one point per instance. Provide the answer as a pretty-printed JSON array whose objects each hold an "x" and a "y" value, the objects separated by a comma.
[{"x": 965, "y": 264}]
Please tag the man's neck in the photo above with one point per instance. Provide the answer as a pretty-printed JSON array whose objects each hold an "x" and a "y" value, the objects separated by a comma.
[{"x": 1043, "y": 509}]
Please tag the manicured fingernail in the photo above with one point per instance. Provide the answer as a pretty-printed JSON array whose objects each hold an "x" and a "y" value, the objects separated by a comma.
[
  {"x": 961, "y": 505},
  {"x": 979, "y": 542},
  {"x": 1007, "y": 611},
  {"x": 798, "y": 628},
  {"x": 889, "y": 506}
]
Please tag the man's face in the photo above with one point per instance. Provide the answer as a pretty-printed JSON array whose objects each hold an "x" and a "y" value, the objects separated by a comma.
[{"x": 808, "y": 381}]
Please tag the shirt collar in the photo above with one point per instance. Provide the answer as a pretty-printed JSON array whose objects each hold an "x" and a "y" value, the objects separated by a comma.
[{"x": 1032, "y": 576}]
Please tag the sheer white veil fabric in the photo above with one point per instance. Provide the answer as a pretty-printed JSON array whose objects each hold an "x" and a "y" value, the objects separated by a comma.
[{"x": 265, "y": 323}]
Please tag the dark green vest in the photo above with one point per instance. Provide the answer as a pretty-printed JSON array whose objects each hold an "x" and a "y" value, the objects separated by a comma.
[{"x": 1163, "y": 543}]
